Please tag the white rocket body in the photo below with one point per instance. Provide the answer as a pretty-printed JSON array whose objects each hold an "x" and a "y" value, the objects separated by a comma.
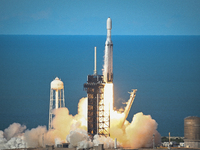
[{"x": 108, "y": 60}]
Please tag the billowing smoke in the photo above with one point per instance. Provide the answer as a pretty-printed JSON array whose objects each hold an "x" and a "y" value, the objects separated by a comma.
[
  {"x": 139, "y": 133},
  {"x": 107, "y": 141},
  {"x": 13, "y": 130},
  {"x": 67, "y": 128},
  {"x": 15, "y": 137},
  {"x": 79, "y": 138},
  {"x": 12, "y": 137},
  {"x": 35, "y": 136}
]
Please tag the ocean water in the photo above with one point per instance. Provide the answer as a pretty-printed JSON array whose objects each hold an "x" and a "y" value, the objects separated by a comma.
[{"x": 164, "y": 69}]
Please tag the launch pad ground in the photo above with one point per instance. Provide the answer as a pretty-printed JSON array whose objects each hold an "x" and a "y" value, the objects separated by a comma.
[{"x": 100, "y": 147}]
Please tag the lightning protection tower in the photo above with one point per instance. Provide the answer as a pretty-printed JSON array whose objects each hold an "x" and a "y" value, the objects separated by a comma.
[{"x": 56, "y": 98}]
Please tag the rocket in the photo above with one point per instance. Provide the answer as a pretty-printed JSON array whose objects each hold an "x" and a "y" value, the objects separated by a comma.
[{"x": 108, "y": 57}]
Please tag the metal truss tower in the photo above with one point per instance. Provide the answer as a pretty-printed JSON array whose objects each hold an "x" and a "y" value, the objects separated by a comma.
[
  {"x": 57, "y": 99},
  {"x": 98, "y": 123}
]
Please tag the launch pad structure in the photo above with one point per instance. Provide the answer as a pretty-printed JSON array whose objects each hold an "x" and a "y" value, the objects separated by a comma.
[
  {"x": 98, "y": 113},
  {"x": 98, "y": 122}
]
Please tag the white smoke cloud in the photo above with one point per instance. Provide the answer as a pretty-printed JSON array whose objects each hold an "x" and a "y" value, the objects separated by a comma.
[
  {"x": 35, "y": 136},
  {"x": 14, "y": 130},
  {"x": 138, "y": 133},
  {"x": 12, "y": 137},
  {"x": 15, "y": 142},
  {"x": 79, "y": 138},
  {"x": 1, "y": 134},
  {"x": 141, "y": 130},
  {"x": 58, "y": 141},
  {"x": 3, "y": 141},
  {"x": 107, "y": 141},
  {"x": 67, "y": 128}
]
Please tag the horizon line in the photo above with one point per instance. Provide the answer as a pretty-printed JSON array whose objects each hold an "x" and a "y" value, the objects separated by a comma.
[{"x": 112, "y": 35}]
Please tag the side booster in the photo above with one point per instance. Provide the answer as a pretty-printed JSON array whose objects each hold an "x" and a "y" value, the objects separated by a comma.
[{"x": 108, "y": 59}]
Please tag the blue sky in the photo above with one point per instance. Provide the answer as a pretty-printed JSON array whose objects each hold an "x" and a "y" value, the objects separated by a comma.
[{"x": 88, "y": 17}]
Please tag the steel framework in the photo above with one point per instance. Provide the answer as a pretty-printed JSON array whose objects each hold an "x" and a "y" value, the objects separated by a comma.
[
  {"x": 98, "y": 122},
  {"x": 52, "y": 105}
]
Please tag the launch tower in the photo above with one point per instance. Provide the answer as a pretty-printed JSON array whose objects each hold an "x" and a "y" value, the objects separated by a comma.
[
  {"x": 56, "y": 98},
  {"x": 97, "y": 123},
  {"x": 100, "y": 91}
]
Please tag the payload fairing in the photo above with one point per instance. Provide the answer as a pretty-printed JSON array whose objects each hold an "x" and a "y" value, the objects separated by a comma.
[{"x": 108, "y": 60}]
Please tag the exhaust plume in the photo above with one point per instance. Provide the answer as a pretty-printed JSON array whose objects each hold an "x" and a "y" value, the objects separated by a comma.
[
  {"x": 67, "y": 128},
  {"x": 34, "y": 137},
  {"x": 12, "y": 137},
  {"x": 13, "y": 130},
  {"x": 79, "y": 138}
]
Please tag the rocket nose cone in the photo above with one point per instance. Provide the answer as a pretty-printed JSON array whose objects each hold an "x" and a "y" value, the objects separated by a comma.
[{"x": 109, "y": 24}]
